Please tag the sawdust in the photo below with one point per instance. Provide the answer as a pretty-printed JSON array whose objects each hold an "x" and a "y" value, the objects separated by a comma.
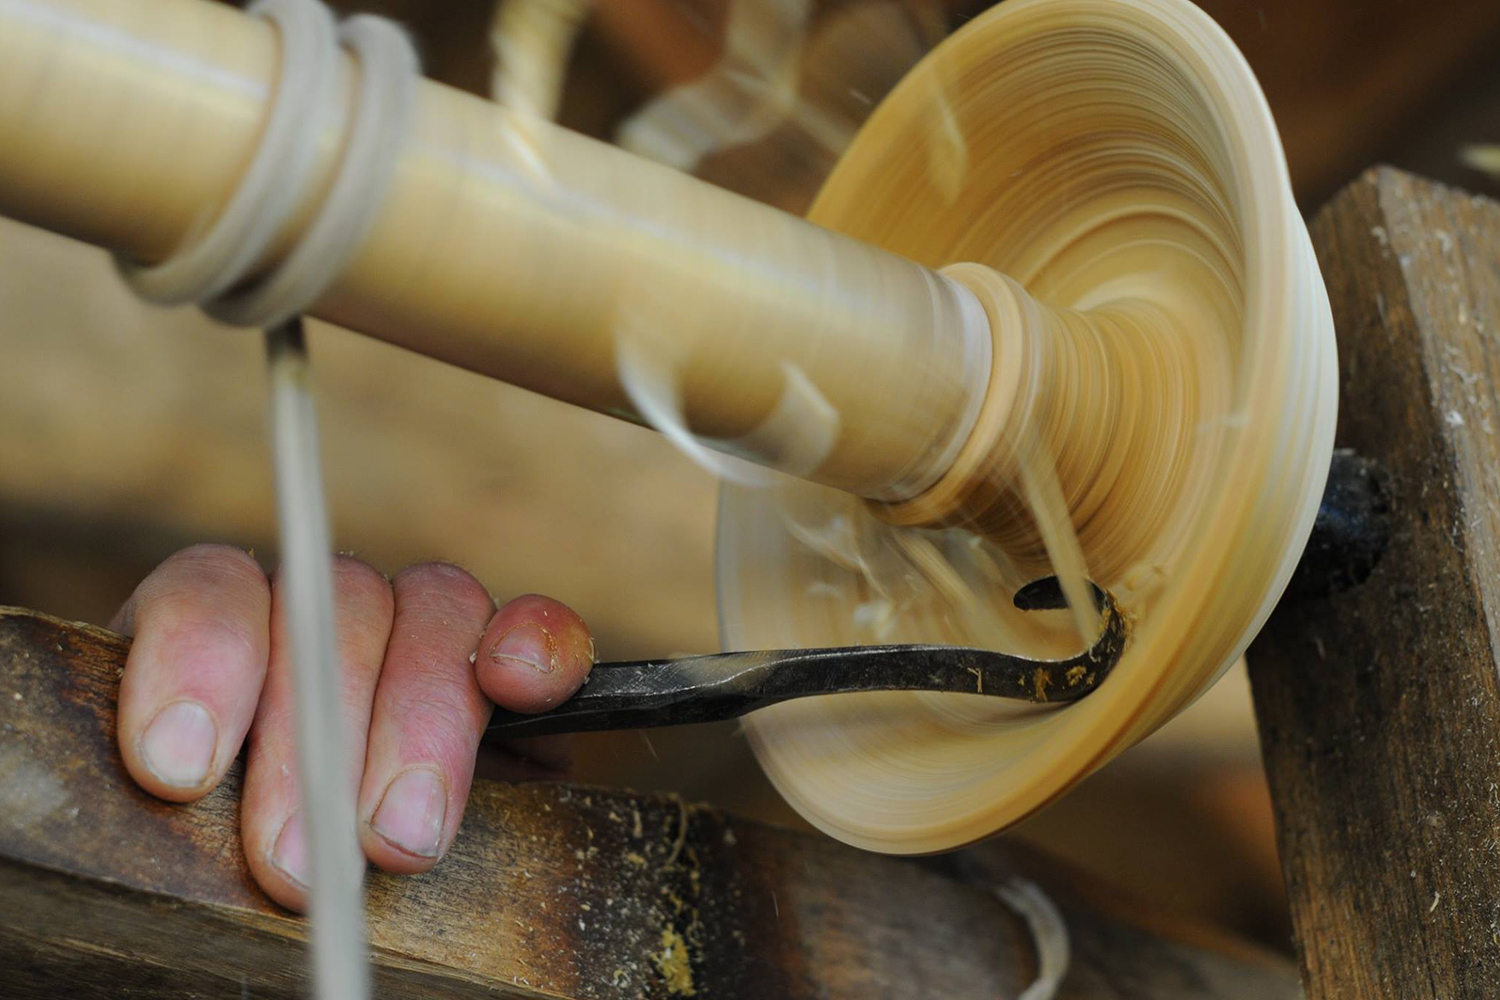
[
  {"x": 649, "y": 900},
  {"x": 673, "y": 963},
  {"x": 1039, "y": 682}
]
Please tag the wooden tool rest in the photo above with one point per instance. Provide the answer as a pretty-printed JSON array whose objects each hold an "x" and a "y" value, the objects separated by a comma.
[
  {"x": 550, "y": 890},
  {"x": 1379, "y": 707}
]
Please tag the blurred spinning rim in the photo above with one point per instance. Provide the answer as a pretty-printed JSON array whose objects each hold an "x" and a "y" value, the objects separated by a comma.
[{"x": 1117, "y": 158}]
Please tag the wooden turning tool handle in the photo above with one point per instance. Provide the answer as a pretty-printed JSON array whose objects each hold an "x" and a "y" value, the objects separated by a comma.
[{"x": 507, "y": 245}]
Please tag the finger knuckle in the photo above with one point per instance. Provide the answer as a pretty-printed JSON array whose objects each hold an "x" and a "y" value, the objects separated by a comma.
[
  {"x": 183, "y": 583},
  {"x": 218, "y": 561},
  {"x": 229, "y": 624},
  {"x": 438, "y": 726},
  {"x": 360, "y": 584},
  {"x": 442, "y": 586}
]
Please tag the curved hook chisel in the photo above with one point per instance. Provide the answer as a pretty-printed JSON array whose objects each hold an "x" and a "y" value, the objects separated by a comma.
[{"x": 648, "y": 693}]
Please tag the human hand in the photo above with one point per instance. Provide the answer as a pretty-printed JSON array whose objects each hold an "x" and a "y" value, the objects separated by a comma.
[{"x": 424, "y": 658}]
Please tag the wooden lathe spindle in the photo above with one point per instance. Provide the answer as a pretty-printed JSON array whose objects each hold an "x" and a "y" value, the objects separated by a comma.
[{"x": 524, "y": 253}]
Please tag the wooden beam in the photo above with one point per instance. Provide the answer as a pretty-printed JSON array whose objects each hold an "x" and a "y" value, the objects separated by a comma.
[
  {"x": 1379, "y": 707},
  {"x": 550, "y": 890}
]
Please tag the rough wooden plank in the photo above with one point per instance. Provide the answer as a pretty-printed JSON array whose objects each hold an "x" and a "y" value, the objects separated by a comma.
[
  {"x": 1379, "y": 708},
  {"x": 550, "y": 890}
]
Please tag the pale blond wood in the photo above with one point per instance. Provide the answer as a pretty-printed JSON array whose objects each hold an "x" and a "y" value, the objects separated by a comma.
[
  {"x": 1173, "y": 374},
  {"x": 1117, "y": 158},
  {"x": 524, "y": 253}
]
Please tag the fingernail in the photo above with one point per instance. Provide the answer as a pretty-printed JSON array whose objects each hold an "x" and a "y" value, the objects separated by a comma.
[
  {"x": 529, "y": 645},
  {"x": 411, "y": 812},
  {"x": 178, "y": 745},
  {"x": 289, "y": 855}
]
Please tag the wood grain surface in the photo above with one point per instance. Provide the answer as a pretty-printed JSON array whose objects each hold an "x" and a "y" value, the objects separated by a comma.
[
  {"x": 1379, "y": 708},
  {"x": 550, "y": 890}
]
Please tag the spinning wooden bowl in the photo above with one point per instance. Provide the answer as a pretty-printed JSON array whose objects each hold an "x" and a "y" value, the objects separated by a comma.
[{"x": 1055, "y": 310}]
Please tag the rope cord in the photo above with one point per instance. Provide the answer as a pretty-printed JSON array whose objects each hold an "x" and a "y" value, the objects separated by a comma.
[
  {"x": 219, "y": 272},
  {"x": 1049, "y": 933}
]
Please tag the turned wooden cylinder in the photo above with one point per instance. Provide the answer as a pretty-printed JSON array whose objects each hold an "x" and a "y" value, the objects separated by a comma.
[{"x": 509, "y": 246}]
